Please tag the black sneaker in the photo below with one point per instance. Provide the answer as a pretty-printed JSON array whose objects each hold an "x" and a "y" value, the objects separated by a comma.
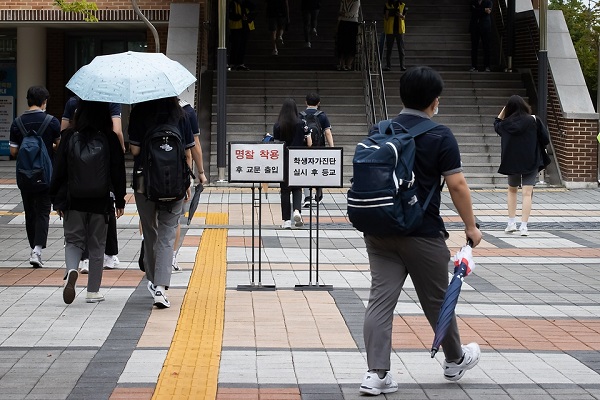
[
  {"x": 70, "y": 286},
  {"x": 306, "y": 203}
]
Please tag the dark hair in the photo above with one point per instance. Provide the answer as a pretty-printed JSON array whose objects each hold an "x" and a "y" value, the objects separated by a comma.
[
  {"x": 92, "y": 116},
  {"x": 313, "y": 99},
  {"x": 36, "y": 95},
  {"x": 165, "y": 109},
  {"x": 419, "y": 87},
  {"x": 516, "y": 105},
  {"x": 288, "y": 118}
]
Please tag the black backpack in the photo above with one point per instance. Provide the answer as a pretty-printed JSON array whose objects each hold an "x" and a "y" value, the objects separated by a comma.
[
  {"x": 164, "y": 166},
  {"x": 313, "y": 126},
  {"x": 89, "y": 165},
  {"x": 34, "y": 167}
]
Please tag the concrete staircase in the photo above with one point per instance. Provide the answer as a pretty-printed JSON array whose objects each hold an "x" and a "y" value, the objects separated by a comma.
[{"x": 437, "y": 35}]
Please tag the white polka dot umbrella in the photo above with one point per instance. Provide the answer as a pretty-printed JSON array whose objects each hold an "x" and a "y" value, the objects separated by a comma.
[{"x": 130, "y": 77}]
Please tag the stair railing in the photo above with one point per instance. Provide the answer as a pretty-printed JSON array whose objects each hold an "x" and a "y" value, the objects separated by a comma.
[{"x": 370, "y": 64}]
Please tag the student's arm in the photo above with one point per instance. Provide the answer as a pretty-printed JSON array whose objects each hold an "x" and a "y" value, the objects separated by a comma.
[
  {"x": 64, "y": 124},
  {"x": 461, "y": 197},
  {"x": 197, "y": 157},
  {"x": 117, "y": 127},
  {"x": 329, "y": 137}
]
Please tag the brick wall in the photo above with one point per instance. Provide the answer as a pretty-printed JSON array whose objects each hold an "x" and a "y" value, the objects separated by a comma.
[{"x": 574, "y": 140}]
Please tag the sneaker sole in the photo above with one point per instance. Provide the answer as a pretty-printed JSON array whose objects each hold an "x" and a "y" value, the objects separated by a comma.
[
  {"x": 376, "y": 391},
  {"x": 94, "y": 300},
  {"x": 455, "y": 378},
  {"x": 35, "y": 264},
  {"x": 161, "y": 305},
  {"x": 84, "y": 271},
  {"x": 69, "y": 290},
  {"x": 298, "y": 221}
]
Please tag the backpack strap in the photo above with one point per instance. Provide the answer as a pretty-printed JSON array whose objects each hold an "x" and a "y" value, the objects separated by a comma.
[
  {"x": 40, "y": 131},
  {"x": 421, "y": 128}
]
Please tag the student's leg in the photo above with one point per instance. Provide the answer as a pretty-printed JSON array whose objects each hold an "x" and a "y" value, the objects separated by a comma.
[
  {"x": 30, "y": 216},
  {"x": 400, "y": 45},
  {"x": 168, "y": 220},
  {"x": 147, "y": 212},
  {"x": 96, "y": 242},
  {"x": 389, "y": 44},
  {"x": 112, "y": 243}
]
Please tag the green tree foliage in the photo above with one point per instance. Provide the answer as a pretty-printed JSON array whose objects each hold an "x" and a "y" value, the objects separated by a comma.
[
  {"x": 583, "y": 21},
  {"x": 79, "y": 6}
]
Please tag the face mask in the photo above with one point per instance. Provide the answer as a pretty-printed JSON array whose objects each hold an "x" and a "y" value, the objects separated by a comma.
[{"x": 435, "y": 111}]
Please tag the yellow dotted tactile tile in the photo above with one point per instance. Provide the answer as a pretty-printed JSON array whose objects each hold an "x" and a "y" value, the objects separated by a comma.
[{"x": 191, "y": 368}]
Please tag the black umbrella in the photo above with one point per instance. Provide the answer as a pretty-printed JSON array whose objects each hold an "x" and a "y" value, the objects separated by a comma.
[
  {"x": 194, "y": 202},
  {"x": 463, "y": 266}
]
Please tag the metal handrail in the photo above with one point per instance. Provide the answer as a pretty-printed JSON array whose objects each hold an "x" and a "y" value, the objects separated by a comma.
[{"x": 372, "y": 73}]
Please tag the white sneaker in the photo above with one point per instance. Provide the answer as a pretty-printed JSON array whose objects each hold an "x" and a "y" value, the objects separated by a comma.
[
  {"x": 151, "y": 288},
  {"x": 510, "y": 228},
  {"x": 94, "y": 297},
  {"x": 471, "y": 354},
  {"x": 374, "y": 385},
  {"x": 116, "y": 260},
  {"x": 287, "y": 224},
  {"x": 109, "y": 262},
  {"x": 160, "y": 300},
  {"x": 298, "y": 219},
  {"x": 35, "y": 260},
  {"x": 523, "y": 231},
  {"x": 84, "y": 266},
  {"x": 175, "y": 266},
  {"x": 70, "y": 286}
]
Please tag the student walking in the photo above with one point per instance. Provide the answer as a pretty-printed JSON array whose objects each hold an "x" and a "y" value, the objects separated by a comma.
[
  {"x": 310, "y": 15},
  {"x": 89, "y": 165},
  {"x": 278, "y": 19},
  {"x": 111, "y": 260},
  {"x": 36, "y": 200},
  {"x": 347, "y": 30},
  {"x": 159, "y": 219},
  {"x": 317, "y": 120},
  {"x": 423, "y": 254},
  {"x": 290, "y": 129},
  {"x": 522, "y": 139}
]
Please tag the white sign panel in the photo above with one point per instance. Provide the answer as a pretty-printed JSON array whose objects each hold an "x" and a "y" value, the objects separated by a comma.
[
  {"x": 253, "y": 162},
  {"x": 315, "y": 167}
]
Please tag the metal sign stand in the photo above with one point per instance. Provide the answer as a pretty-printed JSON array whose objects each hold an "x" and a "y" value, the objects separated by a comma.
[
  {"x": 310, "y": 285},
  {"x": 256, "y": 286}
]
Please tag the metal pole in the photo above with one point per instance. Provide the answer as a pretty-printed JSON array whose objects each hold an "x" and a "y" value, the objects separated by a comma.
[
  {"x": 137, "y": 10},
  {"x": 222, "y": 92},
  {"x": 543, "y": 63},
  {"x": 510, "y": 32}
]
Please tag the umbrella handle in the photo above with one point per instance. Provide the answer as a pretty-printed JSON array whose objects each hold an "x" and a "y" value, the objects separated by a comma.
[{"x": 469, "y": 240}]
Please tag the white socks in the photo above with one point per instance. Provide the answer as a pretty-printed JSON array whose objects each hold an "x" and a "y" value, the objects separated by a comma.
[{"x": 37, "y": 249}]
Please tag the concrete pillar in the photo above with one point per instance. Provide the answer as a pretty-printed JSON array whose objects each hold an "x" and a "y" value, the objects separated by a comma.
[{"x": 31, "y": 61}]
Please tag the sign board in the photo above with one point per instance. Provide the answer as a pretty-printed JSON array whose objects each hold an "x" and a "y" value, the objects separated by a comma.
[
  {"x": 315, "y": 167},
  {"x": 8, "y": 92},
  {"x": 253, "y": 162}
]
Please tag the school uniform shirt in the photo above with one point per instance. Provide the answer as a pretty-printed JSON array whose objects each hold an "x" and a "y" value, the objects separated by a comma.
[
  {"x": 437, "y": 154},
  {"x": 32, "y": 120},
  {"x": 60, "y": 179}
]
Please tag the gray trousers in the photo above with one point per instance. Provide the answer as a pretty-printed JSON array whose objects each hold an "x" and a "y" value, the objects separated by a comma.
[
  {"x": 159, "y": 225},
  {"x": 81, "y": 229},
  {"x": 391, "y": 260}
]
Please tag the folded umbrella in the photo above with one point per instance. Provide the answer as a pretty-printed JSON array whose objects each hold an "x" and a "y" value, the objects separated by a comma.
[
  {"x": 194, "y": 202},
  {"x": 463, "y": 266},
  {"x": 130, "y": 77}
]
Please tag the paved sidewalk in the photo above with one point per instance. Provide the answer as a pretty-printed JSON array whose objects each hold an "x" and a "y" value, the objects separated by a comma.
[{"x": 532, "y": 305}]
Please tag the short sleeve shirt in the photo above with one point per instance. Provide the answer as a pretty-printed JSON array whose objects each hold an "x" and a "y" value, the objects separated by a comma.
[
  {"x": 190, "y": 114},
  {"x": 437, "y": 155},
  {"x": 323, "y": 120},
  {"x": 32, "y": 120}
]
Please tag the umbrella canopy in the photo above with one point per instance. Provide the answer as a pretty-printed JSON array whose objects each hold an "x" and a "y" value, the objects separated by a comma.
[
  {"x": 463, "y": 266},
  {"x": 194, "y": 202},
  {"x": 130, "y": 77}
]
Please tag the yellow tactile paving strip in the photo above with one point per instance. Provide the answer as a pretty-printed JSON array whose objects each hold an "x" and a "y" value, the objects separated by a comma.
[{"x": 191, "y": 368}]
